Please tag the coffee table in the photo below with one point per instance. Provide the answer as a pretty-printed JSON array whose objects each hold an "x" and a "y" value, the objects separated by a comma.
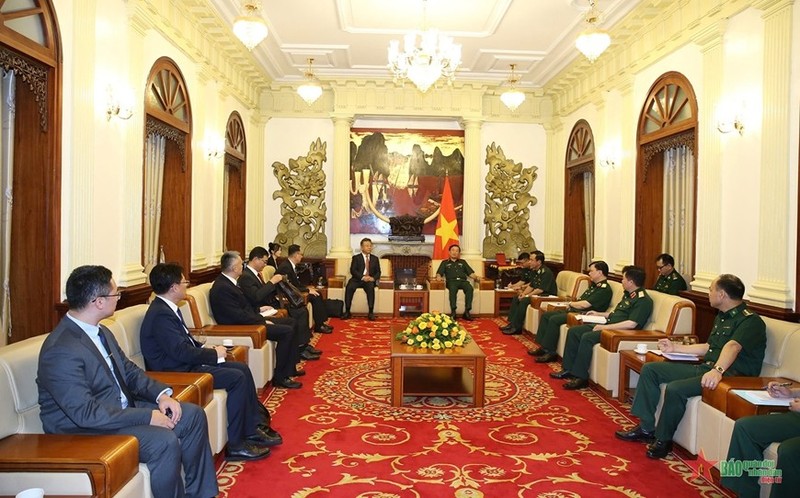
[{"x": 425, "y": 372}]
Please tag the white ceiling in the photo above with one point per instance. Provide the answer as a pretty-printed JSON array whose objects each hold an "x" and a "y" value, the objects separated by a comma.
[{"x": 349, "y": 38}]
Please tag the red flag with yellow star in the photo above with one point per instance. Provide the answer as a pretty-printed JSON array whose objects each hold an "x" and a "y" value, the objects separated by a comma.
[{"x": 446, "y": 225}]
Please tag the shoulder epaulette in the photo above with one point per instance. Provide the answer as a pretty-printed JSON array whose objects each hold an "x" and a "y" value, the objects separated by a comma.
[
  {"x": 641, "y": 293},
  {"x": 602, "y": 284},
  {"x": 747, "y": 312}
]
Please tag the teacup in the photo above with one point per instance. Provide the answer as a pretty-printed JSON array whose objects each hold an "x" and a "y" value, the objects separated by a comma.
[
  {"x": 228, "y": 343},
  {"x": 641, "y": 348},
  {"x": 31, "y": 493}
]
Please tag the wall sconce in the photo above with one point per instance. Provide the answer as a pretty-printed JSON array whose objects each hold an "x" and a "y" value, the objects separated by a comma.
[
  {"x": 608, "y": 162},
  {"x": 729, "y": 118},
  {"x": 120, "y": 107},
  {"x": 215, "y": 146}
]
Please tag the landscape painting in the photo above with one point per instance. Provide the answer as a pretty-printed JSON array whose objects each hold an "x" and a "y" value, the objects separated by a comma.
[{"x": 402, "y": 172}]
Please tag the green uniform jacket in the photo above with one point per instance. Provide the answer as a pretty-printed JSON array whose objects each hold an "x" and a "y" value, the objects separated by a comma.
[
  {"x": 544, "y": 279},
  {"x": 598, "y": 295},
  {"x": 454, "y": 270},
  {"x": 670, "y": 284},
  {"x": 635, "y": 305},
  {"x": 749, "y": 330}
]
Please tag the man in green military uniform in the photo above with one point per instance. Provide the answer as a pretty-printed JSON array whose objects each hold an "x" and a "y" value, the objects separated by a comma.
[
  {"x": 596, "y": 298},
  {"x": 631, "y": 313},
  {"x": 542, "y": 283},
  {"x": 456, "y": 272},
  {"x": 735, "y": 347},
  {"x": 752, "y": 435},
  {"x": 669, "y": 280}
]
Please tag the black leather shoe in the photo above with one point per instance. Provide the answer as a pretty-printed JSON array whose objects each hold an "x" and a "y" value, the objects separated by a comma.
[
  {"x": 324, "y": 329},
  {"x": 269, "y": 431},
  {"x": 537, "y": 352},
  {"x": 467, "y": 316},
  {"x": 346, "y": 315},
  {"x": 245, "y": 451},
  {"x": 311, "y": 349},
  {"x": 636, "y": 434},
  {"x": 287, "y": 383},
  {"x": 512, "y": 331},
  {"x": 264, "y": 440},
  {"x": 298, "y": 373},
  {"x": 547, "y": 358},
  {"x": 309, "y": 356},
  {"x": 371, "y": 316},
  {"x": 564, "y": 374},
  {"x": 659, "y": 449},
  {"x": 576, "y": 384},
  {"x": 507, "y": 326},
  {"x": 453, "y": 316}
]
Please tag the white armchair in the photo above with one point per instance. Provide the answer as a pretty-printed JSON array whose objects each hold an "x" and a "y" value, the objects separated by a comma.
[{"x": 384, "y": 292}]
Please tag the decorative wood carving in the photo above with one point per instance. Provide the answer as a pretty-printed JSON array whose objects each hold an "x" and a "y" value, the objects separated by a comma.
[
  {"x": 160, "y": 128},
  {"x": 32, "y": 73},
  {"x": 649, "y": 150}
]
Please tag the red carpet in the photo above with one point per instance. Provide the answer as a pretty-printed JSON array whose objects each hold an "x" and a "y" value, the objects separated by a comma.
[{"x": 532, "y": 439}]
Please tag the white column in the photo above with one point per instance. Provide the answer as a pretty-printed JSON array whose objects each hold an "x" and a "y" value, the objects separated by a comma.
[
  {"x": 553, "y": 202},
  {"x": 626, "y": 178},
  {"x": 255, "y": 223},
  {"x": 707, "y": 248},
  {"x": 772, "y": 285},
  {"x": 340, "y": 216},
  {"x": 472, "y": 227}
]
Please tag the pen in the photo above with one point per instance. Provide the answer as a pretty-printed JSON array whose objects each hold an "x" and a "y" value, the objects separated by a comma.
[{"x": 781, "y": 384}]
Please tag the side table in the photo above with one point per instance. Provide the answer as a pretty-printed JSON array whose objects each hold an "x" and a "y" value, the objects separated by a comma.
[{"x": 410, "y": 301}]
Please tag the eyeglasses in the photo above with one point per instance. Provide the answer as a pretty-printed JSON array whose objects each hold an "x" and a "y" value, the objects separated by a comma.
[
  {"x": 117, "y": 296},
  {"x": 185, "y": 282},
  {"x": 659, "y": 267}
]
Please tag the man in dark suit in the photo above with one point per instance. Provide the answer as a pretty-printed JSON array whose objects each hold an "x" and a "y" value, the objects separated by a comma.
[
  {"x": 88, "y": 386},
  {"x": 230, "y": 307},
  {"x": 263, "y": 295},
  {"x": 365, "y": 271},
  {"x": 318, "y": 309},
  {"x": 167, "y": 346}
]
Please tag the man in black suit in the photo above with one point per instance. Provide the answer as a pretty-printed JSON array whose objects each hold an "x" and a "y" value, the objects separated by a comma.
[
  {"x": 263, "y": 295},
  {"x": 287, "y": 268},
  {"x": 365, "y": 271},
  {"x": 230, "y": 307},
  {"x": 88, "y": 386},
  {"x": 167, "y": 346}
]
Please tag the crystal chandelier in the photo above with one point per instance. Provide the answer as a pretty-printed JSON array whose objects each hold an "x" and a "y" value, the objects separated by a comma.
[
  {"x": 512, "y": 97},
  {"x": 250, "y": 27},
  {"x": 311, "y": 90},
  {"x": 592, "y": 41},
  {"x": 436, "y": 57}
]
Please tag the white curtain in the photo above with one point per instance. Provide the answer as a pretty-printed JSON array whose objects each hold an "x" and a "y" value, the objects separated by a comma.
[
  {"x": 678, "y": 227},
  {"x": 588, "y": 218},
  {"x": 155, "y": 148},
  {"x": 7, "y": 158}
]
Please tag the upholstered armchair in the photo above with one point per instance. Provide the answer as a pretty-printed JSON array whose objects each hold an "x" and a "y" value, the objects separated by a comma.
[
  {"x": 482, "y": 298},
  {"x": 384, "y": 292}
]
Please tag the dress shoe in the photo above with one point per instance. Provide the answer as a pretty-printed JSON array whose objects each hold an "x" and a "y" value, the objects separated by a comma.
[
  {"x": 371, "y": 316},
  {"x": 576, "y": 383},
  {"x": 659, "y": 449},
  {"x": 512, "y": 331},
  {"x": 245, "y": 451},
  {"x": 507, "y": 326},
  {"x": 264, "y": 440},
  {"x": 311, "y": 349},
  {"x": 547, "y": 358},
  {"x": 324, "y": 329},
  {"x": 537, "y": 352},
  {"x": 564, "y": 374},
  {"x": 287, "y": 383},
  {"x": 269, "y": 431},
  {"x": 453, "y": 316},
  {"x": 346, "y": 315},
  {"x": 308, "y": 356},
  {"x": 636, "y": 434},
  {"x": 298, "y": 373}
]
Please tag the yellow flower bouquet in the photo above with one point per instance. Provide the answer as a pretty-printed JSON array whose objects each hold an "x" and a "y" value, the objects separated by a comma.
[{"x": 435, "y": 331}]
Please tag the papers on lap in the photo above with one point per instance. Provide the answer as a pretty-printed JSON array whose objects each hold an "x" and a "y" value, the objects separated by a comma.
[
  {"x": 677, "y": 356},
  {"x": 269, "y": 312},
  {"x": 761, "y": 397},
  {"x": 592, "y": 319}
]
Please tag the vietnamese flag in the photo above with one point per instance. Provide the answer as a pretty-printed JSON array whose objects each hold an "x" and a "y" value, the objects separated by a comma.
[{"x": 446, "y": 225}]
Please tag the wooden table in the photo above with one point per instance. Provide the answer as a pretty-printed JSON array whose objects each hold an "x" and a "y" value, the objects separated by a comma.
[
  {"x": 410, "y": 301},
  {"x": 425, "y": 372},
  {"x": 502, "y": 300}
]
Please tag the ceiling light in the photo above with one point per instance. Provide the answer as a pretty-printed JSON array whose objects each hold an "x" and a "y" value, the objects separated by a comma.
[
  {"x": 512, "y": 97},
  {"x": 592, "y": 41},
  {"x": 250, "y": 27},
  {"x": 311, "y": 90},
  {"x": 436, "y": 56}
]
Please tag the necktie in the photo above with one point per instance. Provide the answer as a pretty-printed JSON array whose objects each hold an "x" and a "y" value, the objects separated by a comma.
[
  {"x": 260, "y": 278},
  {"x": 116, "y": 369},
  {"x": 366, "y": 264}
]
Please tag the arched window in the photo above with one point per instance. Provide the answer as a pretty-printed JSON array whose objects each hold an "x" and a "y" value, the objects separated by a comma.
[
  {"x": 579, "y": 198},
  {"x": 167, "y": 196},
  {"x": 30, "y": 56},
  {"x": 234, "y": 184},
  {"x": 666, "y": 175}
]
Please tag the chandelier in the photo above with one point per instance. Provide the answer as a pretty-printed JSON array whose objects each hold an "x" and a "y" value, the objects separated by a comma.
[
  {"x": 592, "y": 41},
  {"x": 311, "y": 90},
  {"x": 435, "y": 57},
  {"x": 250, "y": 27},
  {"x": 513, "y": 97}
]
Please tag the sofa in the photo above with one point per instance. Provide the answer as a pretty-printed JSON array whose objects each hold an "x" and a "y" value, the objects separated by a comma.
[
  {"x": 196, "y": 311},
  {"x": 384, "y": 292},
  {"x": 570, "y": 284},
  {"x": 482, "y": 299}
]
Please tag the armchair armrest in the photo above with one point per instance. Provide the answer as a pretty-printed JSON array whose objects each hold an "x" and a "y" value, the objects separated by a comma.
[
  {"x": 573, "y": 320},
  {"x": 109, "y": 461},
  {"x": 610, "y": 338},
  {"x": 336, "y": 282},
  {"x": 386, "y": 283},
  {"x": 721, "y": 398},
  {"x": 435, "y": 284},
  {"x": 536, "y": 301},
  {"x": 256, "y": 333},
  {"x": 486, "y": 283},
  {"x": 238, "y": 353},
  {"x": 188, "y": 387}
]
